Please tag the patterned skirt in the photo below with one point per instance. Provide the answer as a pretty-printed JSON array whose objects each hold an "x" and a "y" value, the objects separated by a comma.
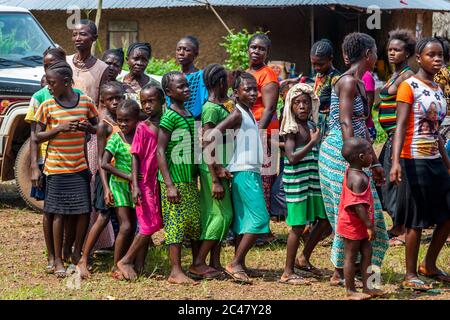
[{"x": 331, "y": 170}]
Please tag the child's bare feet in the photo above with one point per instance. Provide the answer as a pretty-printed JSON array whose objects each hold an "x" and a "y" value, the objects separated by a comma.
[
  {"x": 181, "y": 278},
  {"x": 127, "y": 270},
  {"x": 374, "y": 293},
  {"x": 354, "y": 295},
  {"x": 204, "y": 271},
  {"x": 83, "y": 269}
]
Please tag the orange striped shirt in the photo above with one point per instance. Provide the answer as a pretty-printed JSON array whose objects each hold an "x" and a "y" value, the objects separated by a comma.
[{"x": 65, "y": 152}]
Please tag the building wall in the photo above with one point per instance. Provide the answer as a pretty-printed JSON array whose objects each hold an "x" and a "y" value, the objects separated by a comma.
[{"x": 289, "y": 29}]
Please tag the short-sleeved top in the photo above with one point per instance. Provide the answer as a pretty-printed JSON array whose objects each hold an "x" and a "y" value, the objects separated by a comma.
[
  {"x": 264, "y": 76},
  {"x": 199, "y": 93},
  {"x": 369, "y": 82},
  {"x": 65, "y": 151},
  {"x": 428, "y": 109},
  {"x": 180, "y": 149},
  {"x": 215, "y": 113},
  {"x": 144, "y": 146},
  {"x": 36, "y": 99},
  {"x": 122, "y": 155}
]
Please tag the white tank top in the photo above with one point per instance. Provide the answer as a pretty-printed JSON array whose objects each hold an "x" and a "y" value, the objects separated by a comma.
[{"x": 248, "y": 150}]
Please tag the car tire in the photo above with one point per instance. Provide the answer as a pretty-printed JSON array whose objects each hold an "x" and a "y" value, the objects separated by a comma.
[{"x": 22, "y": 174}]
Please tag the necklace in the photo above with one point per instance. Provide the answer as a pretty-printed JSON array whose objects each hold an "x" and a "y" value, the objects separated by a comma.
[
  {"x": 80, "y": 64},
  {"x": 354, "y": 169}
]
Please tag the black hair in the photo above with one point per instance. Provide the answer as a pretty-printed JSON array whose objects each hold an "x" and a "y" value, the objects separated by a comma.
[
  {"x": 130, "y": 106},
  {"x": 284, "y": 86},
  {"x": 115, "y": 52},
  {"x": 213, "y": 74},
  {"x": 62, "y": 68},
  {"x": 168, "y": 78},
  {"x": 158, "y": 88},
  {"x": 322, "y": 49},
  {"x": 192, "y": 40},
  {"x": 406, "y": 36},
  {"x": 91, "y": 25},
  {"x": 261, "y": 36},
  {"x": 145, "y": 46},
  {"x": 238, "y": 76},
  {"x": 111, "y": 85},
  {"x": 446, "y": 47},
  {"x": 57, "y": 52},
  {"x": 355, "y": 45},
  {"x": 422, "y": 43},
  {"x": 353, "y": 147}
]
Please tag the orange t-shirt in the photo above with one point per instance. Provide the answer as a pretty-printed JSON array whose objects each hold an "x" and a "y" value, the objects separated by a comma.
[{"x": 264, "y": 76}]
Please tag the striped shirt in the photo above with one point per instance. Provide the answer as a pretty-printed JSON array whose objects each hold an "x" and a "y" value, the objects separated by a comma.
[
  {"x": 65, "y": 151},
  {"x": 180, "y": 149}
]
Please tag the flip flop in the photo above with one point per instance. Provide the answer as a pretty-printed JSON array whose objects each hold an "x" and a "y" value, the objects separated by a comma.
[
  {"x": 341, "y": 283},
  {"x": 294, "y": 279},
  {"x": 239, "y": 276},
  {"x": 61, "y": 273},
  {"x": 415, "y": 284},
  {"x": 50, "y": 269},
  {"x": 440, "y": 276},
  {"x": 310, "y": 269},
  {"x": 396, "y": 241}
]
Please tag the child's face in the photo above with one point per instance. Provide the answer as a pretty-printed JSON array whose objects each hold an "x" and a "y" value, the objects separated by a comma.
[
  {"x": 49, "y": 60},
  {"x": 185, "y": 52},
  {"x": 56, "y": 83},
  {"x": 127, "y": 121},
  {"x": 301, "y": 107},
  {"x": 138, "y": 61},
  {"x": 114, "y": 66},
  {"x": 432, "y": 58},
  {"x": 178, "y": 89},
  {"x": 151, "y": 101},
  {"x": 247, "y": 92},
  {"x": 366, "y": 157},
  {"x": 111, "y": 99},
  {"x": 321, "y": 64}
]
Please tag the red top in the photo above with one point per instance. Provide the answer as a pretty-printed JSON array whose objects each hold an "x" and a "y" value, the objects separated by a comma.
[
  {"x": 349, "y": 225},
  {"x": 264, "y": 76}
]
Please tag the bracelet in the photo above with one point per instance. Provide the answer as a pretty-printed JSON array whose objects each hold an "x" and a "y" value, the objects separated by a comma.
[{"x": 375, "y": 165}]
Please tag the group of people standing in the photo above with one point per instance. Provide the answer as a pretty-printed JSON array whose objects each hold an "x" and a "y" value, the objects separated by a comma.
[{"x": 107, "y": 147}]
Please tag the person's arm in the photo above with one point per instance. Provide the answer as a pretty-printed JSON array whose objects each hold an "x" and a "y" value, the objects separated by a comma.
[
  {"x": 218, "y": 192},
  {"x": 89, "y": 126},
  {"x": 102, "y": 134},
  {"x": 135, "y": 178},
  {"x": 403, "y": 110},
  {"x": 108, "y": 167},
  {"x": 43, "y": 135},
  {"x": 233, "y": 121},
  {"x": 294, "y": 156},
  {"x": 269, "y": 94},
  {"x": 443, "y": 152},
  {"x": 163, "y": 140},
  {"x": 34, "y": 152},
  {"x": 347, "y": 95},
  {"x": 370, "y": 99}
]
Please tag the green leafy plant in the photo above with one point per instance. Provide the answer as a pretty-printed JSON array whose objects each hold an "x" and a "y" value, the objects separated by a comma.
[
  {"x": 159, "y": 66},
  {"x": 9, "y": 42},
  {"x": 236, "y": 47}
]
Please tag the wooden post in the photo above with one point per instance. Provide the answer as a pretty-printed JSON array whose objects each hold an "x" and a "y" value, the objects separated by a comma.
[{"x": 98, "y": 15}]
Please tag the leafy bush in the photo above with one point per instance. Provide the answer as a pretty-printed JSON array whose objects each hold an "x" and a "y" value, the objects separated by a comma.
[
  {"x": 159, "y": 66},
  {"x": 236, "y": 47}
]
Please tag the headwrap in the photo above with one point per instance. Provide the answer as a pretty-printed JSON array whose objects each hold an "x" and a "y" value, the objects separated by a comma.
[{"x": 289, "y": 125}]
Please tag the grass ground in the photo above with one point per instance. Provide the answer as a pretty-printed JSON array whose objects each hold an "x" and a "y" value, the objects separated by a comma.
[{"x": 22, "y": 262}]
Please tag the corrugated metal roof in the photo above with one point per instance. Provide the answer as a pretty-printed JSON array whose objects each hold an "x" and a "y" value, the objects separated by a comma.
[{"x": 433, "y": 5}]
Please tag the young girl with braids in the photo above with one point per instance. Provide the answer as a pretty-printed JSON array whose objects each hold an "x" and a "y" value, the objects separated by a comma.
[
  {"x": 63, "y": 121},
  {"x": 115, "y": 59},
  {"x": 348, "y": 112},
  {"x": 215, "y": 196}
]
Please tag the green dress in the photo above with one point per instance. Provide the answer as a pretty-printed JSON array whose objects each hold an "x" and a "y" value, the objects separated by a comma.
[
  {"x": 302, "y": 187},
  {"x": 216, "y": 215}
]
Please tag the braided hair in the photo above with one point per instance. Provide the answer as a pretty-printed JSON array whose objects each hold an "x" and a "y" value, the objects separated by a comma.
[
  {"x": 115, "y": 52},
  {"x": 194, "y": 42},
  {"x": 322, "y": 49},
  {"x": 130, "y": 106},
  {"x": 213, "y": 74},
  {"x": 355, "y": 45},
  {"x": 261, "y": 36},
  {"x": 111, "y": 85},
  {"x": 158, "y": 88},
  {"x": 238, "y": 76},
  {"x": 422, "y": 43},
  {"x": 91, "y": 25},
  {"x": 145, "y": 46},
  {"x": 406, "y": 36},
  {"x": 446, "y": 47},
  {"x": 62, "y": 68},
  {"x": 168, "y": 78},
  {"x": 57, "y": 52}
]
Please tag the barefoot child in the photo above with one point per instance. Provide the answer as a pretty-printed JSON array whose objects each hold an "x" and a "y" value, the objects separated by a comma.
[
  {"x": 145, "y": 184},
  {"x": 356, "y": 216},
  {"x": 250, "y": 213},
  {"x": 301, "y": 180},
  {"x": 180, "y": 200},
  {"x": 215, "y": 197},
  {"x": 119, "y": 146},
  {"x": 63, "y": 121},
  {"x": 111, "y": 95}
]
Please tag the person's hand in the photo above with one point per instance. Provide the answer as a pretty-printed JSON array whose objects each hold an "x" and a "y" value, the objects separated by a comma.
[
  {"x": 109, "y": 200},
  {"x": 223, "y": 173},
  {"x": 68, "y": 126},
  {"x": 378, "y": 176},
  {"x": 136, "y": 192},
  {"x": 315, "y": 136},
  {"x": 218, "y": 192},
  {"x": 396, "y": 173},
  {"x": 173, "y": 195},
  {"x": 35, "y": 176},
  {"x": 371, "y": 232},
  {"x": 85, "y": 126}
]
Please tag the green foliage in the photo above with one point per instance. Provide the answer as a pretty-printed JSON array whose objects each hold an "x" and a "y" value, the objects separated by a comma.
[
  {"x": 9, "y": 42},
  {"x": 159, "y": 66},
  {"x": 236, "y": 47}
]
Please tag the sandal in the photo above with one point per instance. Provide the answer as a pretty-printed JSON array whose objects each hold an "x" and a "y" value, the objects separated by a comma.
[
  {"x": 61, "y": 273},
  {"x": 396, "y": 241},
  {"x": 415, "y": 284},
  {"x": 50, "y": 268},
  {"x": 440, "y": 276},
  {"x": 310, "y": 269},
  {"x": 294, "y": 279},
  {"x": 239, "y": 276},
  {"x": 205, "y": 276}
]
